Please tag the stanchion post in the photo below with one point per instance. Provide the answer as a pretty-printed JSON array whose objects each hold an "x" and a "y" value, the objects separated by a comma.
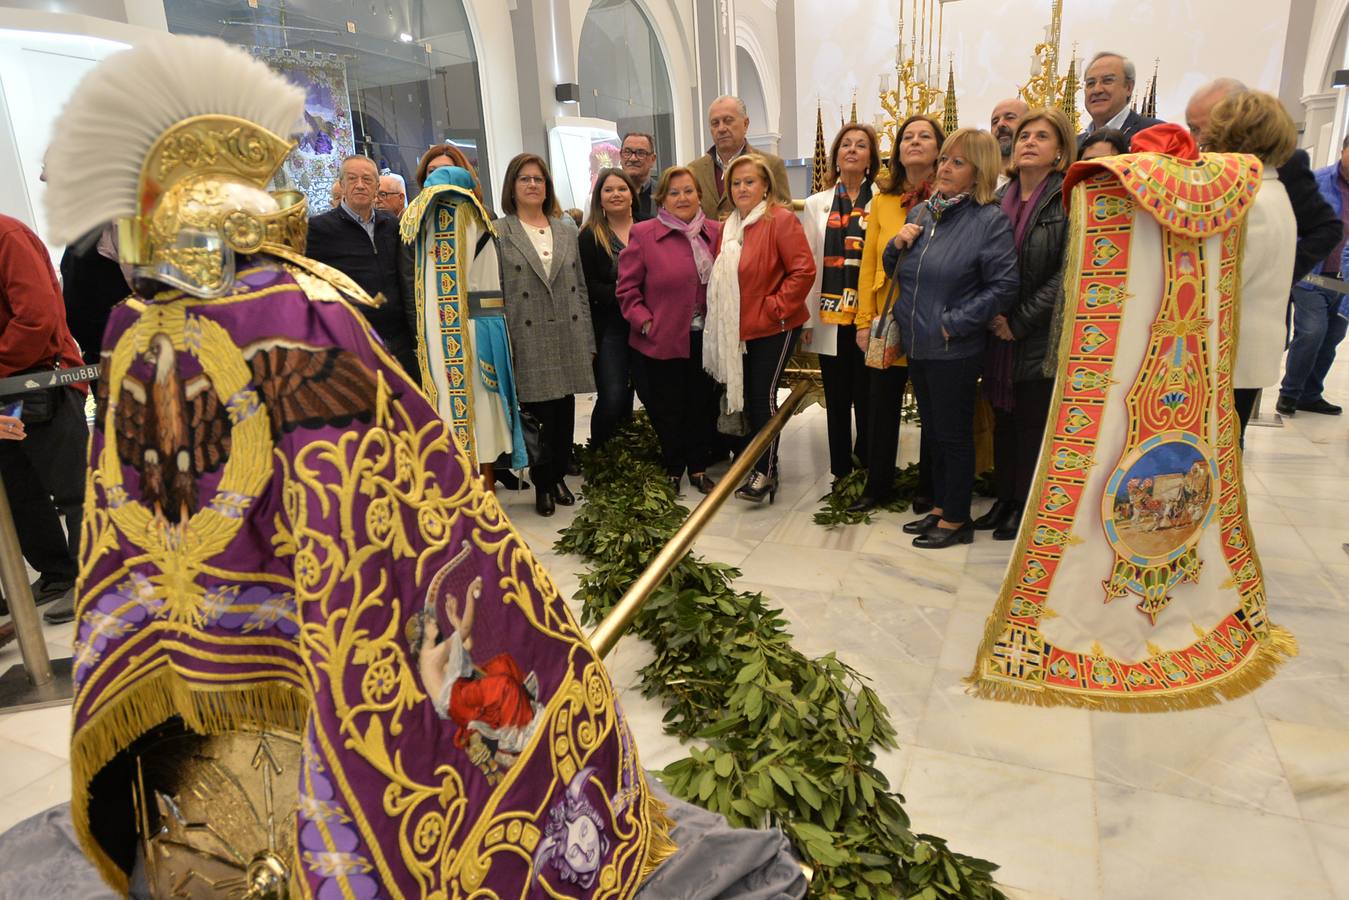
[{"x": 14, "y": 579}]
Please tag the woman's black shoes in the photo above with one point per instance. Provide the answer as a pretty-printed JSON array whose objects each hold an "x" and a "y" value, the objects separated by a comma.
[
  {"x": 922, "y": 505},
  {"x": 1009, "y": 527},
  {"x": 757, "y": 487},
  {"x": 700, "y": 481},
  {"x": 993, "y": 518},
  {"x": 562, "y": 494},
  {"x": 937, "y": 537},
  {"x": 543, "y": 502},
  {"x": 921, "y": 526}
]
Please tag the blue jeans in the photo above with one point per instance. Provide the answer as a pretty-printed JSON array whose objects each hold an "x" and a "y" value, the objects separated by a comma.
[
  {"x": 1317, "y": 331},
  {"x": 613, "y": 403}
]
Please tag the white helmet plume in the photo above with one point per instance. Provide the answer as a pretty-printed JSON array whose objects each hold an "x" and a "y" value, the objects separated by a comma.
[{"x": 118, "y": 111}]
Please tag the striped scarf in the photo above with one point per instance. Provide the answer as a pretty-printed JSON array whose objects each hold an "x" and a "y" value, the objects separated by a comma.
[{"x": 844, "y": 235}]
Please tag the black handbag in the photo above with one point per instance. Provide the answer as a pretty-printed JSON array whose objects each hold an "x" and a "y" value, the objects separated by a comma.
[{"x": 536, "y": 446}]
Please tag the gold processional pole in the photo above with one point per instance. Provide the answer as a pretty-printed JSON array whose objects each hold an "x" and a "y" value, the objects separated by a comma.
[{"x": 607, "y": 633}]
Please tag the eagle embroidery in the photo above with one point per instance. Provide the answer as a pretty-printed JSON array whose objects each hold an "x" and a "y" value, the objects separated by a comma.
[{"x": 172, "y": 431}]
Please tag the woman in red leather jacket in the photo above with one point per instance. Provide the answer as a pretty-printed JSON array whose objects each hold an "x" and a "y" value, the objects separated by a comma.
[{"x": 756, "y": 305}]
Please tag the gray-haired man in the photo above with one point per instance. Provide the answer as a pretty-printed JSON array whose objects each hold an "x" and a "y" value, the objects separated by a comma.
[
  {"x": 728, "y": 121},
  {"x": 1108, "y": 84}
]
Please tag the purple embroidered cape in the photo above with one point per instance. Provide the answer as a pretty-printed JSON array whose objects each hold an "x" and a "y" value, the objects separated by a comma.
[{"x": 279, "y": 531}]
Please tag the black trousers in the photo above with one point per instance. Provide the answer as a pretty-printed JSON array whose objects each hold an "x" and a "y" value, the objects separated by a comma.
[
  {"x": 847, "y": 389},
  {"x": 1017, "y": 434},
  {"x": 1243, "y": 399},
  {"x": 946, "y": 391},
  {"x": 557, "y": 422},
  {"x": 613, "y": 382},
  {"x": 44, "y": 478},
  {"x": 765, "y": 360},
  {"x": 682, "y": 399},
  {"x": 885, "y": 402}
]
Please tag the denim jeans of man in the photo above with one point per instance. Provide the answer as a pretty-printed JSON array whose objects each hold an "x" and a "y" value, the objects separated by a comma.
[{"x": 1317, "y": 331}]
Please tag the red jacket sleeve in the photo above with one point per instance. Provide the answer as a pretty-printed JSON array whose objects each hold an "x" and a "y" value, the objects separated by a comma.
[
  {"x": 36, "y": 312},
  {"x": 798, "y": 263}
]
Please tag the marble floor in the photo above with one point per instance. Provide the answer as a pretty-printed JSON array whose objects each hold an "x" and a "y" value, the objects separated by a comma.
[{"x": 1245, "y": 800}]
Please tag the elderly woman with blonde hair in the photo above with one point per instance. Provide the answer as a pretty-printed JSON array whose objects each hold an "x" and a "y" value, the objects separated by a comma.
[
  {"x": 1256, "y": 123},
  {"x": 955, "y": 266}
]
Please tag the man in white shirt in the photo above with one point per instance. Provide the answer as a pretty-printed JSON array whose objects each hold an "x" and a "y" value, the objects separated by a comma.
[{"x": 1108, "y": 85}]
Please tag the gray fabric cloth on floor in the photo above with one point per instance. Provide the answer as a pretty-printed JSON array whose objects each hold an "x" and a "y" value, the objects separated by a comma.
[
  {"x": 40, "y": 858},
  {"x": 718, "y": 862}
]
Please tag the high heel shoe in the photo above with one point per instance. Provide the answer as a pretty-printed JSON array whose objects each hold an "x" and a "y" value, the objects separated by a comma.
[
  {"x": 938, "y": 537},
  {"x": 922, "y": 505},
  {"x": 757, "y": 487},
  {"x": 921, "y": 526},
  {"x": 562, "y": 494},
  {"x": 702, "y": 482},
  {"x": 993, "y": 518},
  {"x": 543, "y": 502}
]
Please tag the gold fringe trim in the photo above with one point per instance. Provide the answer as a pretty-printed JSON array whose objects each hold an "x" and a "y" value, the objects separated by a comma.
[
  {"x": 1273, "y": 651},
  {"x": 661, "y": 846},
  {"x": 149, "y": 704}
]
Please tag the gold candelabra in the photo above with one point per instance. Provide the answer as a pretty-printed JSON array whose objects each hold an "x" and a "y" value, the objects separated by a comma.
[
  {"x": 1046, "y": 87},
  {"x": 917, "y": 77}
]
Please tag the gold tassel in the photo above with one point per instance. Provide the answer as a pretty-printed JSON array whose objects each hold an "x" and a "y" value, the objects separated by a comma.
[
  {"x": 661, "y": 846},
  {"x": 149, "y": 704},
  {"x": 1273, "y": 651}
]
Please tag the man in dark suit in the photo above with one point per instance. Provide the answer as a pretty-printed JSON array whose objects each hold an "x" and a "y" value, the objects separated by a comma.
[
  {"x": 1320, "y": 232},
  {"x": 638, "y": 156},
  {"x": 1108, "y": 84},
  {"x": 361, "y": 242}
]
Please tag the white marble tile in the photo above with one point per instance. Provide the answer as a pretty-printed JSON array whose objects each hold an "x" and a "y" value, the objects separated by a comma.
[
  {"x": 964, "y": 632},
  {"x": 1297, "y": 584},
  {"x": 1283, "y": 543},
  {"x": 1317, "y": 763},
  {"x": 797, "y": 567},
  {"x": 1332, "y": 846},
  {"x": 21, "y": 765},
  {"x": 876, "y": 577},
  {"x": 1317, "y": 511},
  {"x": 903, "y": 688},
  {"x": 47, "y": 730},
  {"x": 718, "y": 548},
  {"x": 1327, "y": 543},
  {"x": 1157, "y": 845},
  {"x": 798, "y": 529},
  {"x": 1197, "y": 754},
  {"x": 1307, "y": 691},
  {"x": 1040, "y": 827},
  {"x": 1053, "y": 739},
  {"x": 1302, "y": 485},
  {"x": 36, "y": 795},
  {"x": 916, "y": 631}
]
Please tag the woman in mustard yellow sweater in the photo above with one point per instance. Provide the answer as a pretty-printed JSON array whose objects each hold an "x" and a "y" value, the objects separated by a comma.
[{"x": 913, "y": 163}]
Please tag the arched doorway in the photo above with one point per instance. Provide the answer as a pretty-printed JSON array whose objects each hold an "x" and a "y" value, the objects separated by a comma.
[
  {"x": 387, "y": 82},
  {"x": 751, "y": 89},
  {"x": 623, "y": 74}
]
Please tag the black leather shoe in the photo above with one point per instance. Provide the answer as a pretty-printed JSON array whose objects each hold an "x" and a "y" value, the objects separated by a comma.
[
  {"x": 509, "y": 480},
  {"x": 1009, "y": 527},
  {"x": 920, "y": 526},
  {"x": 1286, "y": 406},
  {"x": 702, "y": 482},
  {"x": 562, "y": 494},
  {"x": 996, "y": 513},
  {"x": 573, "y": 464},
  {"x": 922, "y": 505},
  {"x": 62, "y": 611},
  {"x": 1322, "y": 406},
  {"x": 675, "y": 482},
  {"x": 937, "y": 537},
  {"x": 864, "y": 503},
  {"x": 543, "y": 502}
]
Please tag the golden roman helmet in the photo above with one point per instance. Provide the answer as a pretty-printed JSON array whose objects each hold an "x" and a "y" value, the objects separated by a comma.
[
  {"x": 203, "y": 198},
  {"x": 176, "y": 141}
]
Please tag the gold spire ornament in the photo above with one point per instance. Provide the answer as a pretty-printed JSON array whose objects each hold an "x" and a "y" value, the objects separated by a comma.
[
  {"x": 950, "y": 118},
  {"x": 1068, "y": 98},
  {"x": 852, "y": 116},
  {"x": 1150, "y": 101},
  {"x": 820, "y": 164}
]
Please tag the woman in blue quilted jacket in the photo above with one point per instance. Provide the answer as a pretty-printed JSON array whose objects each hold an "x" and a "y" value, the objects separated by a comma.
[{"x": 956, "y": 266}]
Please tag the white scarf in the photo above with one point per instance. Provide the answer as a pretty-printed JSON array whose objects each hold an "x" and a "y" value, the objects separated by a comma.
[{"x": 722, "y": 347}]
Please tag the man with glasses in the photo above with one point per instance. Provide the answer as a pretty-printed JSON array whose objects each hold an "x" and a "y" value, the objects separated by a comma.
[
  {"x": 639, "y": 158},
  {"x": 1108, "y": 86},
  {"x": 361, "y": 241},
  {"x": 393, "y": 194}
]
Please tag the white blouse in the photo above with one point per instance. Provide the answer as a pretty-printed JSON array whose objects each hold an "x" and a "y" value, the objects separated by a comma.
[{"x": 542, "y": 239}]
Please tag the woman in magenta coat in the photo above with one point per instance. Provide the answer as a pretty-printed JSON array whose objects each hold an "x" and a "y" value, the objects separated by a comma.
[{"x": 662, "y": 290}]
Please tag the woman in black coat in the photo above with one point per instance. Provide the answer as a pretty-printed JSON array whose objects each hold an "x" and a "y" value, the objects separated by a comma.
[{"x": 1014, "y": 371}]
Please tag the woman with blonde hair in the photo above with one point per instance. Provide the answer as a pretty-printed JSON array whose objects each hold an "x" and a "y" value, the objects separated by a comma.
[
  {"x": 1256, "y": 123},
  {"x": 1015, "y": 382},
  {"x": 756, "y": 305},
  {"x": 913, "y": 166},
  {"x": 613, "y": 209},
  {"x": 956, "y": 267},
  {"x": 835, "y": 222}
]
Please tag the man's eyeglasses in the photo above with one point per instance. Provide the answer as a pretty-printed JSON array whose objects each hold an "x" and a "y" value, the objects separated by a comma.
[
  {"x": 388, "y": 195},
  {"x": 629, "y": 153}
]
